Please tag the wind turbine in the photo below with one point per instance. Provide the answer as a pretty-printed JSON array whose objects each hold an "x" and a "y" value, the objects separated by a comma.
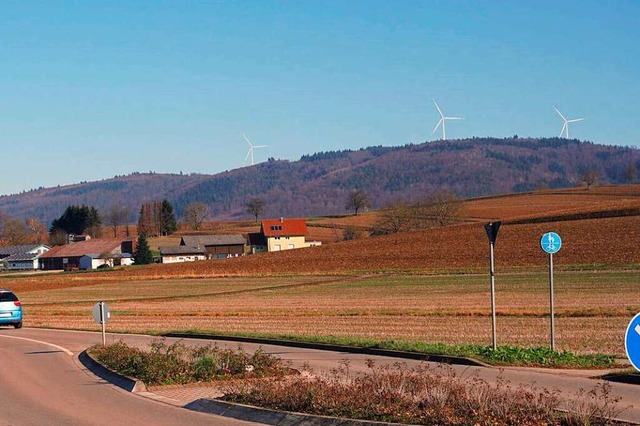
[
  {"x": 442, "y": 121},
  {"x": 565, "y": 126},
  {"x": 251, "y": 148}
]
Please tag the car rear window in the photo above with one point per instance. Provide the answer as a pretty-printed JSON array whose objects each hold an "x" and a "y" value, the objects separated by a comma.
[{"x": 7, "y": 297}]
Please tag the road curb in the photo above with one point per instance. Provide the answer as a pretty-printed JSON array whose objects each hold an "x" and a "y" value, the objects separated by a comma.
[
  {"x": 273, "y": 417},
  {"x": 445, "y": 359},
  {"x": 125, "y": 382}
]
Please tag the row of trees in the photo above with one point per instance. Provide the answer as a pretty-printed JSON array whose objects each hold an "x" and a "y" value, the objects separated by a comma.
[
  {"x": 15, "y": 232},
  {"x": 157, "y": 219}
]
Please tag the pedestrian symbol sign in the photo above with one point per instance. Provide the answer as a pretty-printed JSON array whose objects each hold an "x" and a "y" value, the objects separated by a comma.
[
  {"x": 551, "y": 242},
  {"x": 632, "y": 342}
]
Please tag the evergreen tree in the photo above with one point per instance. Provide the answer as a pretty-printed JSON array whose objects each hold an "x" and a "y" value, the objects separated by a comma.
[
  {"x": 78, "y": 220},
  {"x": 168, "y": 224},
  {"x": 142, "y": 255}
]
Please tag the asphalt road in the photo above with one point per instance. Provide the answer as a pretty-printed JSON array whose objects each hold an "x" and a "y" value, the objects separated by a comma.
[{"x": 43, "y": 384}]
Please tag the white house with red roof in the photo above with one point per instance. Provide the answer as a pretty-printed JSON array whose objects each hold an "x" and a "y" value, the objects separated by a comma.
[{"x": 281, "y": 234}]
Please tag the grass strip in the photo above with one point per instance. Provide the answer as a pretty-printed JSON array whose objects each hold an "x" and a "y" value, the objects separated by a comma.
[{"x": 502, "y": 356}]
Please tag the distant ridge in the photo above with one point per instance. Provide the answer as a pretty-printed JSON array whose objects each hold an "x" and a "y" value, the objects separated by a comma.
[{"x": 317, "y": 184}]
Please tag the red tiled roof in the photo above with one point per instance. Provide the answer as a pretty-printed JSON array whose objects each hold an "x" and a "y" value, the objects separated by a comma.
[
  {"x": 284, "y": 227},
  {"x": 83, "y": 247}
]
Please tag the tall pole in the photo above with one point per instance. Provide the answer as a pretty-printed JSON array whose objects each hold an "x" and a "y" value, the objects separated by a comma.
[
  {"x": 492, "y": 274},
  {"x": 553, "y": 330}
]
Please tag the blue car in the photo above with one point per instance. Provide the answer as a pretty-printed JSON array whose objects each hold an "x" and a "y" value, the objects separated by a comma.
[{"x": 10, "y": 309}]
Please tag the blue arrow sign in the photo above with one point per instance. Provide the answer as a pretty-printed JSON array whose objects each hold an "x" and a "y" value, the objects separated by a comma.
[
  {"x": 632, "y": 342},
  {"x": 551, "y": 242}
]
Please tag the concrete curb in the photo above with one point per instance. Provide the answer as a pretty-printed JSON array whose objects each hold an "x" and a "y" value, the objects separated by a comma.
[
  {"x": 127, "y": 383},
  {"x": 273, "y": 417},
  {"x": 445, "y": 359}
]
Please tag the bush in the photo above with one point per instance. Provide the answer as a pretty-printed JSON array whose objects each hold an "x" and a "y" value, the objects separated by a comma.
[
  {"x": 178, "y": 364},
  {"x": 351, "y": 233}
]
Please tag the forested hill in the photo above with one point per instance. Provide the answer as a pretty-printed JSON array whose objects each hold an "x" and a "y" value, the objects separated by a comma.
[{"x": 318, "y": 184}]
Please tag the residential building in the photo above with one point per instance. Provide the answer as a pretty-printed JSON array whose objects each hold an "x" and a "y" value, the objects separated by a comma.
[
  {"x": 281, "y": 234},
  {"x": 22, "y": 257}
]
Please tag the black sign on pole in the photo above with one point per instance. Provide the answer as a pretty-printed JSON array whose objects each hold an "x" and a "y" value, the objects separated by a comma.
[{"x": 492, "y": 230}]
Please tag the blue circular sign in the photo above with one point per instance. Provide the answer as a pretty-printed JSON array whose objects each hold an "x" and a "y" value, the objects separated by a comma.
[
  {"x": 551, "y": 242},
  {"x": 632, "y": 342}
]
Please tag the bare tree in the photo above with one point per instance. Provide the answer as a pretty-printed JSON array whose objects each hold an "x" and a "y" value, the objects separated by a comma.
[
  {"x": 357, "y": 200},
  {"x": 443, "y": 207},
  {"x": 255, "y": 207},
  {"x": 37, "y": 230},
  {"x": 630, "y": 174},
  {"x": 398, "y": 217},
  {"x": 126, "y": 217},
  {"x": 114, "y": 217},
  {"x": 195, "y": 213},
  {"x": 14, "y": 232},
  {"x": 588, "y": 176}
]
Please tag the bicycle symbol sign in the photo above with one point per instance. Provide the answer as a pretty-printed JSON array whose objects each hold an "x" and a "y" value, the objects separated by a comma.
[{"x": 551, "y": 242}]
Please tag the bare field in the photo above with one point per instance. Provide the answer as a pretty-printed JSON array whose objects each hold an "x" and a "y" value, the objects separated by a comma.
[
  {"x": 592, "y": 308},
  {"x": 552, "y": 202}
]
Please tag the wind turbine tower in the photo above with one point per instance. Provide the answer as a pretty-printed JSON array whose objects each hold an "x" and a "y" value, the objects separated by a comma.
[
  {"x": 564, "y": 133},
  {"x": 442, "y": 121},
  {"x": 251, "y": 148}
]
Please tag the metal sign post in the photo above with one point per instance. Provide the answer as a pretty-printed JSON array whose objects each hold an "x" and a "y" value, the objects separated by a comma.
[
  {"x": 492, "y": 233},
  {"x": 102, "y": 313},
  {"x": 551, "y": 243}
]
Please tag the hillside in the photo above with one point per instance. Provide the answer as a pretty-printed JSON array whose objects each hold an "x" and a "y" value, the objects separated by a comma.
[
  {"x": 318, "y": 184},
  {"x": 593, "y": 240}
]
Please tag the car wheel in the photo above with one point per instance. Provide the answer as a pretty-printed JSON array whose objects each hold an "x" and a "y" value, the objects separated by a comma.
[{"x": 18, "y": 325}]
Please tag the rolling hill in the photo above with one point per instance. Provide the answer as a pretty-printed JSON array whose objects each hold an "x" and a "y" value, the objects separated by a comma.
[{"x": 318, "y": 184}]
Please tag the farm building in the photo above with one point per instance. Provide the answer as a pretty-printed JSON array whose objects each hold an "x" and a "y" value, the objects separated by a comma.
[
  {"x": 95, "y": 261},
  {"x": 177, "y": 254},
  {"x": 21, "y": 257},
  {"x": 281, "y": 234},
  {"x": 217, "y": 246},
  {"x": 113, "y": 252}
]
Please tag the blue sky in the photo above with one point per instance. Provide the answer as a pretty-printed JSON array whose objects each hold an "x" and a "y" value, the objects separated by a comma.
[{"x": 89, "y": 89}]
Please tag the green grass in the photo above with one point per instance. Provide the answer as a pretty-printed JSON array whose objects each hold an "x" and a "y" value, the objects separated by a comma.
[{"x": 502, "y": 356}]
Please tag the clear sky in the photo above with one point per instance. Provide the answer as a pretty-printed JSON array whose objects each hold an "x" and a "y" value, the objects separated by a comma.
[{"x": 92, "y": 89}]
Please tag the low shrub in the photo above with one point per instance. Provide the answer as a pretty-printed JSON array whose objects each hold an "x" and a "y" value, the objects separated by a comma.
[
  {"x": 424, "y": 395},
  {"x": 178, "y": 364}
]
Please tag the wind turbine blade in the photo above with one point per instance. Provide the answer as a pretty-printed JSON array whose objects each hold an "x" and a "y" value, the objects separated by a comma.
[
  {"x": 260, "y": 146},
  {"x": 564, "y": 128},
  {"x": 559, "y": 113},
  {"x": 453, "y": 118},
  {"x": 575, "y": 119},
  {"x": 247, "y": 139},
  {"x": 438, "y": 125},
  {"x": 438, "y": 108},
  {"x": 248, "y": 154}
]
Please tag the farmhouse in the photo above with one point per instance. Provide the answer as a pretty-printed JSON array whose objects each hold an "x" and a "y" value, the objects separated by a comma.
[
  {"x": 280, "y": 234},
  {"x": 217, "y": 246},
  {"x": 176, "y": 254},
  {"x": 99, "y": 252},
  {"x": 22, "y": 257}
]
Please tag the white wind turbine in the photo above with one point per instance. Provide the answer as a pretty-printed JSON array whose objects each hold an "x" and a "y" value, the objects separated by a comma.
[
  {"x": 442, "y": 121},
  {"x": 251, "y": 148},
  {"x": 565, "y": 126}
]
